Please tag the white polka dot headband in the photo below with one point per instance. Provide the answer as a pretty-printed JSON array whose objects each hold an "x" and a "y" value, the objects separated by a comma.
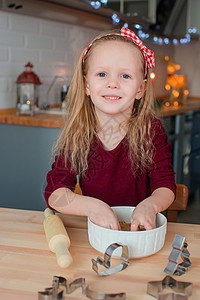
[{"x": 147, "y": 53}]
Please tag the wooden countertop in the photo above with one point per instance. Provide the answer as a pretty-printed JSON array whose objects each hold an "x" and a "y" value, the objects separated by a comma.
[
  {"x": 8, "y": 116},
  {"x": 27, "y": 265},
  {"x": 192, "y": 105}
]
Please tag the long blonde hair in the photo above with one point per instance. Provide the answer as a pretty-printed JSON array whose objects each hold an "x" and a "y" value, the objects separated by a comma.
[{"x": 81, "y": 123}]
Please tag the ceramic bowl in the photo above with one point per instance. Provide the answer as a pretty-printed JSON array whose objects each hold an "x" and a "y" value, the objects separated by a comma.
[{"x": 140, "y": 243}]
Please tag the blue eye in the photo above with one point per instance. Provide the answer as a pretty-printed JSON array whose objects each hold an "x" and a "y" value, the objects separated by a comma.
[
  {"x": 125, "y": 76},
  {"x": 101, "y": 74}
]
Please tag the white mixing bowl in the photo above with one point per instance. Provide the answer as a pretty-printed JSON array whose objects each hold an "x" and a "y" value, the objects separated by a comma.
[{"x": 140, "y": 243}]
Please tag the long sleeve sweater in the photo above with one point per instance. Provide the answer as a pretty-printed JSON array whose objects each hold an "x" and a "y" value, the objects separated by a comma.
[{"x": 110, "y": 176}]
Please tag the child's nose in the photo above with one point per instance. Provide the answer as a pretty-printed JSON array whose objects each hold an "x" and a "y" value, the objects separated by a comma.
[{"x": 112, "y": 83}]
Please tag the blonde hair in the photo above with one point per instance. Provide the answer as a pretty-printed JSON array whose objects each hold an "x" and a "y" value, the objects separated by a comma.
[{"x": 81, "y": 123}]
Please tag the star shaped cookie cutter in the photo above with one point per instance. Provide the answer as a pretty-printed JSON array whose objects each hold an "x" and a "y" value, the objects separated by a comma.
[
  {"x": 106, "y": 261},
  {"x": 181, "y": 290},
  {"x": 173, "y": 296},
  {"x": 179, "y": 251},
  {"x": 60, "y": 288}
]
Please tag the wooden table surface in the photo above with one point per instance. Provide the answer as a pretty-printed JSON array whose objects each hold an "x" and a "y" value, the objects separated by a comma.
[{"x": 27, "y": 265}]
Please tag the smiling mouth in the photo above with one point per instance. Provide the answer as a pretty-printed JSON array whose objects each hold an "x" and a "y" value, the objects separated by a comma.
[{"x": 112, "y": 97}]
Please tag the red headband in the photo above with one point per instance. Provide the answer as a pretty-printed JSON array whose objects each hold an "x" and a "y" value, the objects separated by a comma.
[{"x": 147, "y": 53}]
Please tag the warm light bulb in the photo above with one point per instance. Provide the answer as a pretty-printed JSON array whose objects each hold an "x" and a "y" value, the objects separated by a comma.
[
  {"x": 166, "y": 58},
  {"x": 186, "y": 92},
  {"x": 167, "y": 104},
  {"x": 175, "y": 93},
  {"x": 167, "y": 87},
  {"x": 28, "y": 102},
  {"x": 175, "y": 103},
  {"x": 152, "y": 75}
]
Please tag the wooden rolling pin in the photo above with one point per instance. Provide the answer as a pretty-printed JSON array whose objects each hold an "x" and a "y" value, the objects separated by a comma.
[{"x": 57, "y": 238}]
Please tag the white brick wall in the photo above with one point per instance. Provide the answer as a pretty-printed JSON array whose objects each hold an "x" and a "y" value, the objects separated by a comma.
[
  {"x": 3, "y": 54},
  {"x": 24, "y": 24},
  {"x": 50, "y": 46},
  {"x": 11, "y": 38},
  {"x": 3, "y": 21}
]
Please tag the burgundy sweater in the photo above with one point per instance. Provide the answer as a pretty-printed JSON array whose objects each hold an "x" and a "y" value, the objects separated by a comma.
[{"x": 109, "y": 176}]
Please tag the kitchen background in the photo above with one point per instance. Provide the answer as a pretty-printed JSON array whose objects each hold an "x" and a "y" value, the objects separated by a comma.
[{"x": 52, "y": 47}]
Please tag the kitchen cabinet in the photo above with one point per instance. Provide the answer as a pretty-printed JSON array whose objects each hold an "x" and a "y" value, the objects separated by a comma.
[
  {"x": 184, "y": 133},
  {"x": 25, "y": 160},
  {"x": 191, "y": 160}
]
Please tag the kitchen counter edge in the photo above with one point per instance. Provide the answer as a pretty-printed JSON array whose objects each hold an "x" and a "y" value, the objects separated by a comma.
[{"x": 48, "y": 120}]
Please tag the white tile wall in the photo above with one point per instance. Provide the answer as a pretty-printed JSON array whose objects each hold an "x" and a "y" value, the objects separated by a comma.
[
  {"x": 3, "y": 21},
  {"x": 39, "y": 42},
  {"x": 24, "y": 24},
  {"x": 4, "y": 85},
  {"x": 52, "y": 29},
  {"x": 3, "y": 54},
  {"x": 11, "y": 38},
  {"x": 50, "y": 46},
  {"x": 22, "y": 54}
]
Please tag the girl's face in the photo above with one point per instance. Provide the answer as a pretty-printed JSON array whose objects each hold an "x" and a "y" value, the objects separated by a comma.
[{"x": 114, "y": 78}]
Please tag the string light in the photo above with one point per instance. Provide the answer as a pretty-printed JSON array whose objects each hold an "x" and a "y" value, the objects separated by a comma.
[
  {"x": 115, "y": 19},
  {"x": 125, "y": 25},
  {"x": 186, "y": 92},
  {"x": 175, "y": 103},
  {"x": 95, "y": 4},
  {"x": 163, "y": 40},
  {"x": 166, "y": 41},
  {"x": 137, "y": 26},
  {"x": 192, "y": 30},
  {"x": 167, "y": 104},
  {"x": 143, "y": 35},
  {"x": 175, "y": 42},
  {"x": 155, "y": 39},
  {"x": 175, "y": 93}
]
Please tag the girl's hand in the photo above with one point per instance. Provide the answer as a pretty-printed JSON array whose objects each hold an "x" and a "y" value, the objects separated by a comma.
[
  {"x": 145, "y": 212},
  {"x": 144, "y": 215},
  {"x": 68, "y": 202},
  {"x": 101, "y": 214}
]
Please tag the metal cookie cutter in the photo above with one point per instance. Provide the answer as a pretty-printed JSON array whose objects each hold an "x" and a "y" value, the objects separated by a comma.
[
  {"x": 173, "y": 296},
  {"x": 181, "y": 290},
  {"x": 179, "y": 250},
  {"x": 106, "y": 261},
  {"x": 60, "y": 288}
]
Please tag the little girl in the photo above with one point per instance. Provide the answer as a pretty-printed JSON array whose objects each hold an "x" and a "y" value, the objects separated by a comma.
[{"x": 111, "y": 140}]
